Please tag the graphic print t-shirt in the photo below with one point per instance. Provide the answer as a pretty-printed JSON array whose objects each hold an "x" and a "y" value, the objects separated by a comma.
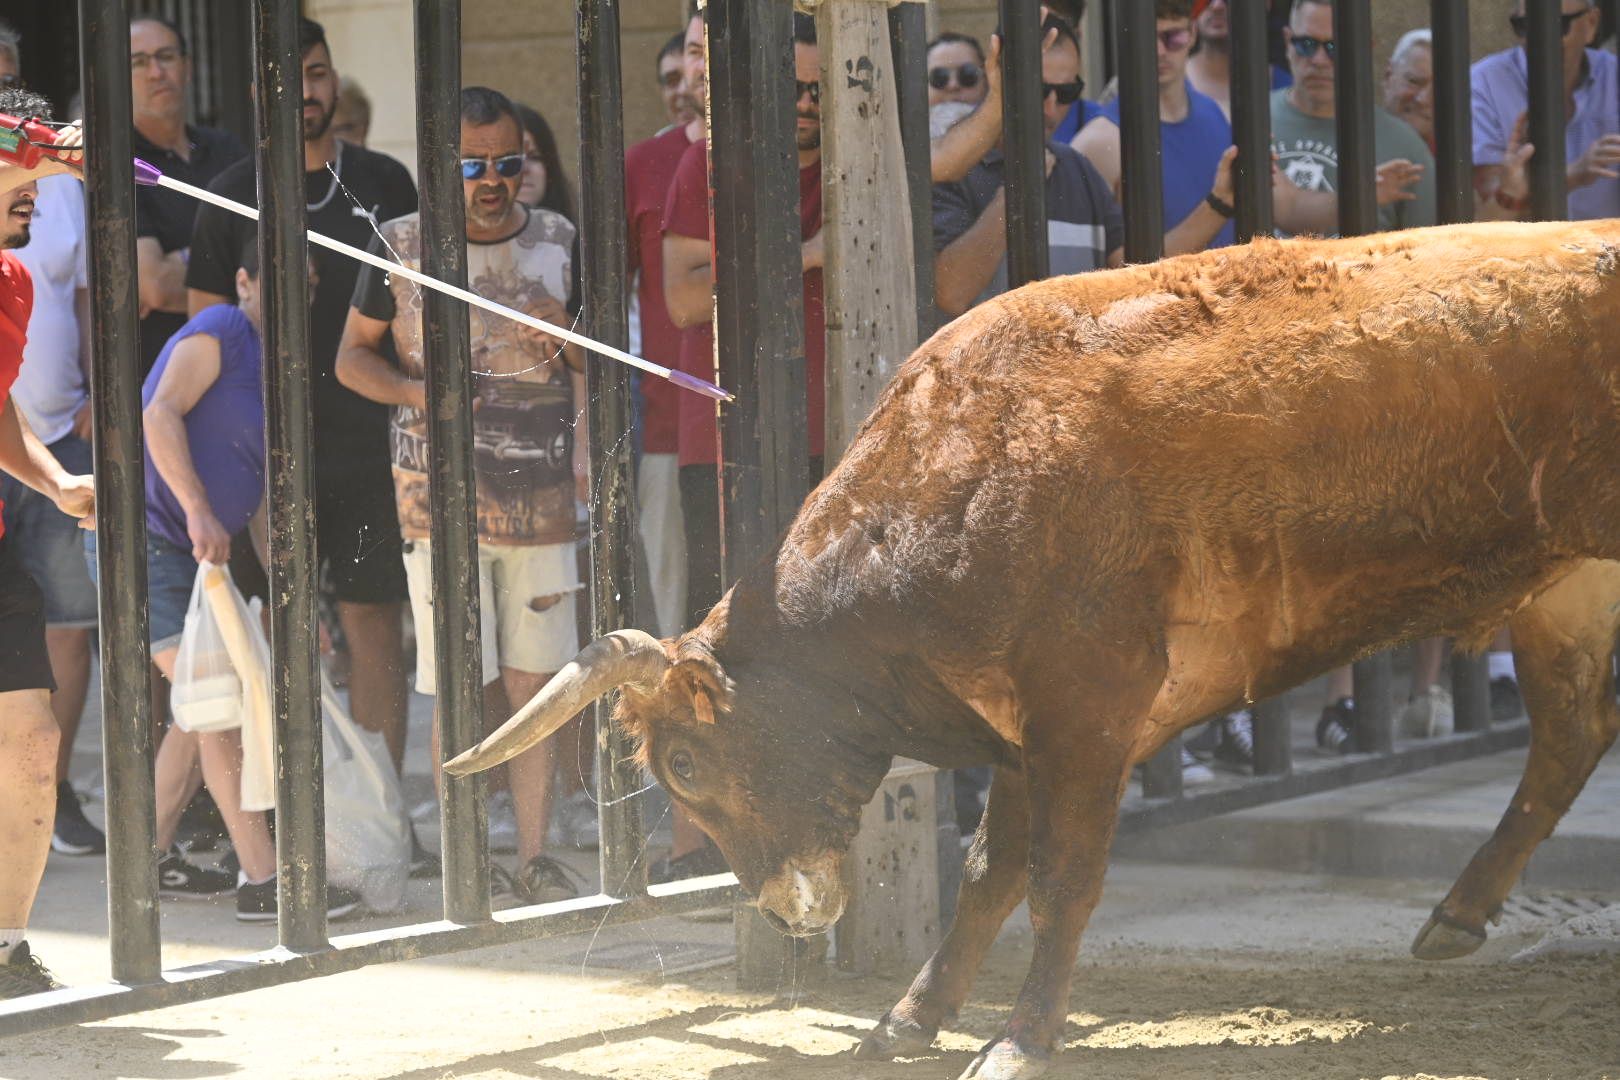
[{"x": 523, "y": 429}]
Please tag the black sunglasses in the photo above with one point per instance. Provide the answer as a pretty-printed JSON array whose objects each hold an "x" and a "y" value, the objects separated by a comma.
[
  {"x": 473, "y": 168},
  {"x": 1306, "y": 46},
  {"x": 1521, "y": 23},
  {"x": 1067, "y": 93},
  {"x": 967, "y": 76},
  {"x": 803, "y": 88}
]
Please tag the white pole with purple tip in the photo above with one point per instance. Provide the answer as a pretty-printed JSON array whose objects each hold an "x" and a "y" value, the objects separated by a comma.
[{"x": 151, "y": 176}]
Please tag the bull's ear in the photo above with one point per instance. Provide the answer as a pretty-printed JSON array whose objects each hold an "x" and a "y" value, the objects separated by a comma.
[
  {"x": 698, "y": 674},
  {"x": 937, "y": 726}
]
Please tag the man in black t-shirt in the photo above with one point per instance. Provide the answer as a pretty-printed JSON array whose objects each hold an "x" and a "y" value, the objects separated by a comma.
[
  {"x": 348, "y": 189},
  {"x": 160, "y": 72}
]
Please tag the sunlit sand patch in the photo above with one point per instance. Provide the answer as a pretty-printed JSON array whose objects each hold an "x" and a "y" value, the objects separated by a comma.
[
  {"x": 1262, "y": 1026},
  {"x": 812, "y": 1032},
  {"x": 635, "y": 1059}
]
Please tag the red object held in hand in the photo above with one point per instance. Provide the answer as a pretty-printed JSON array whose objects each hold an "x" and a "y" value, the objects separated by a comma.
[{"x": 24, "y": 142}]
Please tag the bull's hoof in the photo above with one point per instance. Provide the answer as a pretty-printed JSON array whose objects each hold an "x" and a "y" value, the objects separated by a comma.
[
  {"x": 1444, "y": 938},
  {"x": 1004, "y": 1059},
  {"x": 895, "y": 1037}
]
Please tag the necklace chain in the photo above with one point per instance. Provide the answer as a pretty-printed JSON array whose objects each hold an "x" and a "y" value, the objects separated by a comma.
[{"x": 336, "y": 169}]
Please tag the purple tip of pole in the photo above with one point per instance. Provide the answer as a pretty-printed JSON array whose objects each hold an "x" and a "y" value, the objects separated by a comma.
[
  {"x": 692, "y": 382},
  {"x": 147, "y": 174}
]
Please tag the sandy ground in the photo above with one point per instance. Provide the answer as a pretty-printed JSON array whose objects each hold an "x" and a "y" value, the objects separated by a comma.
[{"x": 1187, "y": 972}]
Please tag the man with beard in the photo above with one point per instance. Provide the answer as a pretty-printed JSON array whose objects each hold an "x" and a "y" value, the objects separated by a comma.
[
  {"x": 28, "y": 730},
  {"x": 160, "y": 73},
  {"x": 348, "y": 190},
  {"x": 530, "y": 461}
]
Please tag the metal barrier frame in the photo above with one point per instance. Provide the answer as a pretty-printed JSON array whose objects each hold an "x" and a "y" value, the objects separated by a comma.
[{"x": 755, "y": 244}]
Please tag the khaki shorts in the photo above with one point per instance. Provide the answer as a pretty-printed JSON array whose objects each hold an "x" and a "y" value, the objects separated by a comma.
[{"x": 513, "y": 582}]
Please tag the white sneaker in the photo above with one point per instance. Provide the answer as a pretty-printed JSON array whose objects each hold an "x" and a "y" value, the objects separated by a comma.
[
  {"x": 502, "y": 822},
  {"x": 1429, "y": 715},
  {"x": 1194, "y": 771},
  {"x": 574, "y": 822}
]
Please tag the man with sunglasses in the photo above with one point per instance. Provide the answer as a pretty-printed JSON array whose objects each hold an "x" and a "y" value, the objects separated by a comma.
[
  {"x": 955, "y": 70},
  {"x": 348, "y": 189},
  {"x": 1305, "y": 140},
  {"x": 1196, "y": 140},
  {"x": 1084, "y": 226},
  {"x": 1591, "y": 135}
]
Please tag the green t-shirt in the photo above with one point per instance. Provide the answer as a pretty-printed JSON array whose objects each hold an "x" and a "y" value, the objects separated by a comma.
[{"x": 1307, "y": 149}]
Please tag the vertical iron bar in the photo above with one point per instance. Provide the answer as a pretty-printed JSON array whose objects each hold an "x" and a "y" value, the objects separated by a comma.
[
  {"x": 908, "y": 39},
  {"x": 1353, "y": 111},
  {"x": 115, "y": 400},
  {"x": 1023, "y": 143},
  {"x": 1453, "y": 117},
  {"x": 1141, "y": 178},
  {"x": 1544, "y": 51},
  {"x": 447, "y": 354},
  {"x": 1471, "y": 691},
  {"x": 295, "y": 693},
  {"x": 759, "y": 310},
  {"x": 1375, "y": 704},
  {"x": 604, "y": 286},
  {"x": 1273, "y": 738},
  {"x": 1251, "y": 117}
]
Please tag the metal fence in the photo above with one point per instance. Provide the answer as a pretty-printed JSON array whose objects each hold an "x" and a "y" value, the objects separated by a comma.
[{"x": 757, "y": 264}]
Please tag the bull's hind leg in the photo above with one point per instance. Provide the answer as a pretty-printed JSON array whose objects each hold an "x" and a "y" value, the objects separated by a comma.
[
  {"x": 993, "y": 882},
  {"x": 1562, "y": 644}
]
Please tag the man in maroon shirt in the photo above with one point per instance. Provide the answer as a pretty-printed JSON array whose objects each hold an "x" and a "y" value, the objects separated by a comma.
[
  {"x": 688, "y": 280},
  {"x": 648, "y": 169}
]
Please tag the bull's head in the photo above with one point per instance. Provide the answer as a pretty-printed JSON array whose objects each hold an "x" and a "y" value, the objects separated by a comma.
[{"x": 772, "y": 753}]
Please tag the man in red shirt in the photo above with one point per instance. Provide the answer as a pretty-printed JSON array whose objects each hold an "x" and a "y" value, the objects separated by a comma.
[
  {"x": 28, "y": 731},
  {"x": 689, "y": 295},
  {"x": 648, "y": 169}
]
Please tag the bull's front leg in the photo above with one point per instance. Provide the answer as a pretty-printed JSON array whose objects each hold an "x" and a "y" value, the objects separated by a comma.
[
  {"x": 1076, "y": 777},
  {"x": 994, "y": 877}
]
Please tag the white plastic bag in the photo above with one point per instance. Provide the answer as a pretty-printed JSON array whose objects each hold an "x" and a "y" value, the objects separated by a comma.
[
  {"x": 243, "y": 633},
  {"x": 368, "y": 838},
  {"x": 207, "y": 693}
]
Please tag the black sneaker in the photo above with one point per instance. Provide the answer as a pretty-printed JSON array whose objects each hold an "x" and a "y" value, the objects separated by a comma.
[
  {"x": 73, "y": 834},
  {"x": 201, "y": 826},
  {"x": 1236, "y": 745},
  {"x": 257, "y": 903},
  {"x": 1506, "y": 702},
  {"x": 181, "y": 879},
  {"x": 1335, "y": 730},
  {"x": 23, "y": 974},
  {"x": 544, "y": 880},
  {"x": 700, "y": 862}
]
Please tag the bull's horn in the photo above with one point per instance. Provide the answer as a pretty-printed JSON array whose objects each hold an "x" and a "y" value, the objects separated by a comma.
[{"x": 624, "y": 656}]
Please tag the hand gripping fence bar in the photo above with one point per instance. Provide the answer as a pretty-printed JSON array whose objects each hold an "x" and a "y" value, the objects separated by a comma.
[{"x": 150, "y": 176}]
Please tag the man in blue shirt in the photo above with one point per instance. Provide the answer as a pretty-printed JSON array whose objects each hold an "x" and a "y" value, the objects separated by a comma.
[{"x": 1196, "y": 143}]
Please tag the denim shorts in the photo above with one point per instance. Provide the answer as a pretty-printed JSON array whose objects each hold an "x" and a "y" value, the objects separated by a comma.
[
  {"x": 49, "y": 545},
  {"x": 170, "y": 574}
]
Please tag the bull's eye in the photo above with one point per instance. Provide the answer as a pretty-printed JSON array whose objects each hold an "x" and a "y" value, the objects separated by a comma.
[{"x": 680, "y": 763}]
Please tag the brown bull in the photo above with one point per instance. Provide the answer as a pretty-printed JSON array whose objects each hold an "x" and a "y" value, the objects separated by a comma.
[{"x": 1099, "y": 508}]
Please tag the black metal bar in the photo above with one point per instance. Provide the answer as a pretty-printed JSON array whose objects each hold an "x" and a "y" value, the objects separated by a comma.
[
  {"x": 1453, "y": 118},
  {"x": 1273, "y": 739},
  {"x": 1353, "y": 113},
  {"x": 1141, "y": 175},
  {"x": 759, "y": 313},
  {"x": 1024, "y": 143},
  {"x": 218, "y": 978},
  {"x": 1161, "y": 773},
  {"x": 1375, "y": 704},
  {"x": 1471, "y": 691},
  {"x": 908, "y": 41},
  {"x": 115, "y": 399},
  {"x": 613, "y": 506},
  {"x": 1138, "y": 816},
  {"x": 295, "y": 693},
  {"x": 1544, "y": 51},
  {"x": 448, "y": 356},
  {"x": 1251, "y": 117}
]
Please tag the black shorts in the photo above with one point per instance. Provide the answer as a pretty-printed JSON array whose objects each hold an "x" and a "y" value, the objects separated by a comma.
[
  {"x": 357, "y": 534},
  {"x": 24, "y": 663}
]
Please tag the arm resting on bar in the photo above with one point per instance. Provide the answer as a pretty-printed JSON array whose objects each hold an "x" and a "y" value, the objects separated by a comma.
[{"x": 688, "y": 280}]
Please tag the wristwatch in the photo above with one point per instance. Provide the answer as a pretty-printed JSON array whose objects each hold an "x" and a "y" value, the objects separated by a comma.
[{"x": 1220, "y": 206}]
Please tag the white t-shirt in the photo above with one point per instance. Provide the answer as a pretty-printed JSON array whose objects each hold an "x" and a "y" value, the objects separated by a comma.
[{"x": 50, "y": 388}]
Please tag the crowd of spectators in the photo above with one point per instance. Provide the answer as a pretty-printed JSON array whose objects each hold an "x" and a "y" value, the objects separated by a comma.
[{"x": 202, "y": 363}]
